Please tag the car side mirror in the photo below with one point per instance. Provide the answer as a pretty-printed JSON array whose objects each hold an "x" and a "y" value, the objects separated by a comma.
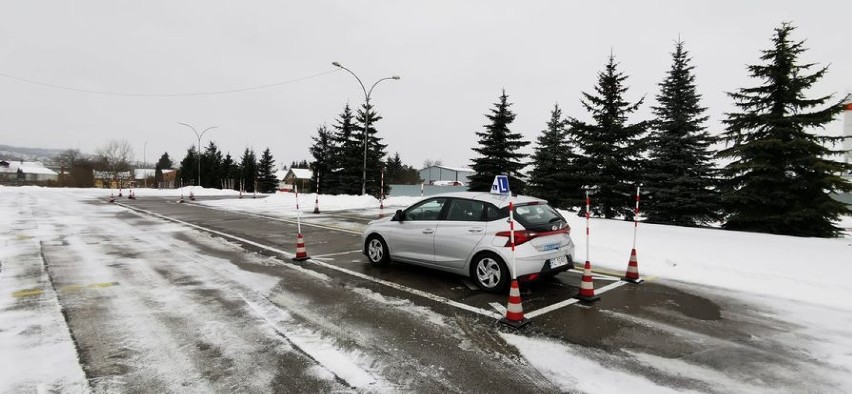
[{"x": 397, "y": 216}]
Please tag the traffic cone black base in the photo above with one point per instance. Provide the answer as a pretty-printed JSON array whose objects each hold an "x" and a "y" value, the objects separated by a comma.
[{"x": 515, "y": 324}]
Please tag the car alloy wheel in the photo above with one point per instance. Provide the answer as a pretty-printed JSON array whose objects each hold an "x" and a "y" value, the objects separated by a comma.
[
  {"x": 490, "y": 273},
  {"x": 377, "y": 251}
]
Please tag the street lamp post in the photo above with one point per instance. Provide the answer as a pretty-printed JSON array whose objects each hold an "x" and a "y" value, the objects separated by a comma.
[
  {"x": 367, "y": 94},
  {"x": 199, "y": 146}
]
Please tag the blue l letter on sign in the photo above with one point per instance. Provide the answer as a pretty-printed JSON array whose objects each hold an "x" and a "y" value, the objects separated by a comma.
[{"x": 500, "y": 185}]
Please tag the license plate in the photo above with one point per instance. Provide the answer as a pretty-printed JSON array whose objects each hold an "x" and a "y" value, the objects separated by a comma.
[{"x": 558, "y": 261}]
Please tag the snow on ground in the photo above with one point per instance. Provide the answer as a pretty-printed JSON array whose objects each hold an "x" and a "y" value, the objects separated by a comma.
[
  {"x": 813, "y": 270},
  {"x": 284, "y": 204},
  {"x": 796, "y": 279},
  {"x": 800, "y": 280}
]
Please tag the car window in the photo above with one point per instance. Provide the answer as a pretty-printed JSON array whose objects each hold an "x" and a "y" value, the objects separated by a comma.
[
  {"x": 494, "y": 213},
  {"x": 538, "y": 216},
  {"x": 465, "y": 210},
  {"x": 426, "y": 210}
]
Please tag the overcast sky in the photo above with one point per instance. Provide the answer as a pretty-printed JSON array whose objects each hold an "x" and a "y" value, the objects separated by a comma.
[{"x": 454, "y": 58}]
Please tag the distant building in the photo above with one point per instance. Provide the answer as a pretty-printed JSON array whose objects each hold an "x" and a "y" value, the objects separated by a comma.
[
  {"x": 26, "y": 172},
  {"x": 441, "y": 175},
  {"x": 297, "y": 177},
  {"x": 107, "y": 179}
]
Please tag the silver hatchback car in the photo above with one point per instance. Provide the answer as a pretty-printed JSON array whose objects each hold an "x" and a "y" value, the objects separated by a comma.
[{"x": 468, "y": 233}]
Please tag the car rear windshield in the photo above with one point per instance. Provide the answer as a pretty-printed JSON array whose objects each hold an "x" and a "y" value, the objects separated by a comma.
[{"x": 539, "y": 217}]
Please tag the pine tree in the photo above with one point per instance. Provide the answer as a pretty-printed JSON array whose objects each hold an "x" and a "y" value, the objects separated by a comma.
[
  {"x": 499, "y": 151},
  {"x": 399, "y": 173},
  {"x": 610, "y": 157},
  {"x": 164, "y": 163},
  {"x": 267, "y": 181},
  {"x": 375, "y": 150},
  {"x": 211, "y": 164},
  {"x": 551, "y": 177},
  {"x": 679, "y": 176},
  {"x": 781, "y": 176},
  {"x": 322, "y": 152},
  {"x": 230, "y": 172},
  {"x": 248, "y": 170},
  {"x": 346, "y": 156},
  {"x": 189, "y": 167}
]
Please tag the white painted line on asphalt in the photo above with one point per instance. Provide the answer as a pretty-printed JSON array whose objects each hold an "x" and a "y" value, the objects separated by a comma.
[
  {"x": 499, "y": 308},
  {"x": 304, "y": 223},
  {"x": 321, "y": 263},
  {"x": 558, "y": 305}
]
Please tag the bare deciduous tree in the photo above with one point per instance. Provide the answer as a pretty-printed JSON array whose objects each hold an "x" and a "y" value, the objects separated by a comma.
[{"x": 115, "y": 157}]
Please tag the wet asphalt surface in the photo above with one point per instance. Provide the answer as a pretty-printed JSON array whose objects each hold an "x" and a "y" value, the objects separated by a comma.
[
  {"x": 666, "y": 319},
  {"x": 700, "y": 327}
]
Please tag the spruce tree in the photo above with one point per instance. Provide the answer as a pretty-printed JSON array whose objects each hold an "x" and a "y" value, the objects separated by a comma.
[
  {"x": 165, "y": 162},
  {"x": 781, "y": 174},
  {"x": 267, "y": 181},
  {"x": 211, "y": 165},
  {"x": 551, "y": 177},
  {"x": 346, "y": 156},
  {"x": 230, "y": 172},
  {"x": 375, "y": 150},
  {"x": 322, "y": 151},
  {"x": 189, "y": 167},
  {"x": 498, "y": 151},
  {"x": 610, "y": 157},
  {"x": 679, "y": 176},
  {"x": 248, "y": 170}
]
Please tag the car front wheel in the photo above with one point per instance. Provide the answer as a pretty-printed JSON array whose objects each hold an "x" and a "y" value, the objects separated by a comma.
[
  {"x": 490, "y": 273},
  {"x": 377, "y": 250}
]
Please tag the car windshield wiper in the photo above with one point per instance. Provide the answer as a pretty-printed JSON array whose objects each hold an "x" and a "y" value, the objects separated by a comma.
[{"x": 554, "y": 220}]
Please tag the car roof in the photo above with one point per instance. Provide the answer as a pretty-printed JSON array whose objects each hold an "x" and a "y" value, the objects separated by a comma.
[{"x": 499, "y": 200}]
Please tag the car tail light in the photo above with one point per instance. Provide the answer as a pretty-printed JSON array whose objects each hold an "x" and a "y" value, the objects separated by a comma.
[{"x": 523, "y": 236}]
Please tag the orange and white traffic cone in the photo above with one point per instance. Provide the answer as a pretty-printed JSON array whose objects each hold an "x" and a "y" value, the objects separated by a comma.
[
  {"x": 181, "y": 201},
  {"x": 514, "y": 311},
  {"x": 111, "y": 198},
  {"x": 191, "y": 196},
  {"x": 130, "y": 195},
  {"x": 316, "y": 204},
  {"x": 632, "y": 274},
  {"x": 587, "y": 287},
  {"x": 301, "y": 252}
]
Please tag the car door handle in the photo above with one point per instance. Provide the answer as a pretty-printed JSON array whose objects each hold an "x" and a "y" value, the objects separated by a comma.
[
  {"x": 475, "y": 230},
  {"x": 428, "y": 231}
]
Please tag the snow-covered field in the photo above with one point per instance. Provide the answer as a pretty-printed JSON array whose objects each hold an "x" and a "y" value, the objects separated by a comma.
[{"x": 803, "y": 281}]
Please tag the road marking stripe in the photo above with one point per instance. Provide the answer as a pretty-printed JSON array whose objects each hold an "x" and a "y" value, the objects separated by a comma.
[
  {"x": 27, "y": 293},
  {"x": 551, "y": 308},
  {"x": 499, "y": 308},
  {"x": 304, "y": 223},
  {"x": 321, "y": 263}
]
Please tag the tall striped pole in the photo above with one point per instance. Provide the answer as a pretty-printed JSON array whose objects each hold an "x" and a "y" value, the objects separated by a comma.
[
  {"x": 316, "y": 199},
  {"x": 298, "y": 211},
  {"x": 512, "y": 236},
  {"x": 588, "y": 203},
  {"x": 382, "y": 192},
  {"x": 632, "y": 274},
  {"x": 587, "y": 285},
  {"x": 514, "y": 309},
  {"x": 636, "y": 217}
]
